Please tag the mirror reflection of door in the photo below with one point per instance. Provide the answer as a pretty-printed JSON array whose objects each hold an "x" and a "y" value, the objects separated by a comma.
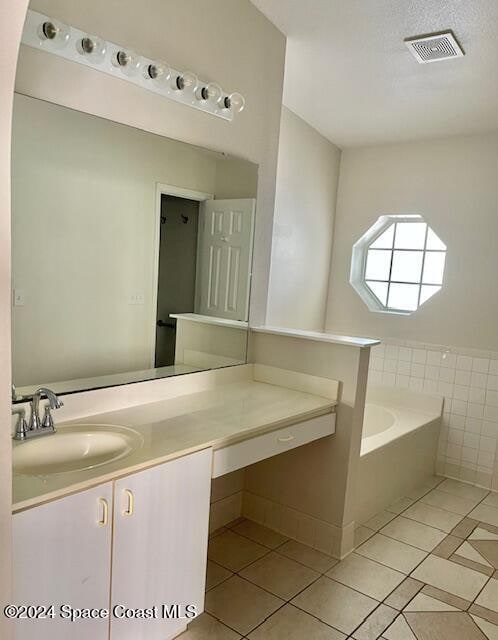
[
  {"x": 205, "y": 251},
  {"x": 225, "y": 250},
  {"x": 177, "y": 269}
]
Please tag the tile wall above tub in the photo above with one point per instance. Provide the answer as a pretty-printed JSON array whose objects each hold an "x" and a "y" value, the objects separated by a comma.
[{"x": 468, "y": 380}]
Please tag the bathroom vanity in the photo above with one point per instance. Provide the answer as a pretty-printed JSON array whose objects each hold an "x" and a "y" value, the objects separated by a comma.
[{"x": 131, "y": 534}]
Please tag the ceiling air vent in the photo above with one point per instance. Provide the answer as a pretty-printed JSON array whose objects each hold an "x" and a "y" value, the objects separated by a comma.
[{"x": 434, "y": 47}]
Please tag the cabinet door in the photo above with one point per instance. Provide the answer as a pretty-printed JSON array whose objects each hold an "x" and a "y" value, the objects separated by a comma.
[
  {"x": 62, "y": 555},
  {"x": 160, "y": 544}
]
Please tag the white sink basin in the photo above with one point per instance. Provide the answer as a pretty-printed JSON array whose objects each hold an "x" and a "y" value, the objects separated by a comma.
[{"x": 74, "y": 448}]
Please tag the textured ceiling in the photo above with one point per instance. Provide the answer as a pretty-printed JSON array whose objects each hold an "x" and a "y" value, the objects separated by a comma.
[{"x": 350, "y": 75}]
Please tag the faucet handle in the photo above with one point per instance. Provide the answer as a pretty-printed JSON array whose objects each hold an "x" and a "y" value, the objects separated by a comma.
[
  {"x": 48, "y": 421},
  {"x": 22, "y": 426}
]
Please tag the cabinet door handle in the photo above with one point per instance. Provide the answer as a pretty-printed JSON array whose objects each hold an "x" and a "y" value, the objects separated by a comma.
[
  {"x": 130, "y": 508},
  {"x": 285, "y": 438},
  {"x": 105, "y": 512}
]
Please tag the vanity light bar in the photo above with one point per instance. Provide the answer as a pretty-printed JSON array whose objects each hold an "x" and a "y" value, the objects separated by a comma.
[{"x": 47, "y": 34}]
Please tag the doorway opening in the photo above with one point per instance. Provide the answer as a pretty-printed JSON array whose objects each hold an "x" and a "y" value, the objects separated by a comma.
[{"x": 176, "y": 282}]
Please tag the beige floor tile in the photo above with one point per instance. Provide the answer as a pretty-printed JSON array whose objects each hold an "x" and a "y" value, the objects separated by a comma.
[
  {"x": 399, "y": 630},
  {"x": 488, "y": 598},
  {"x": 414, "y": 533},
  {"x": 233, "y": 551},
  {"x": 449, "y": 576},
  {"x": 466, "y": 550},
  {"x": 376, "y": 623},
  {"x": 400, "y": 505},
  {"x": 444, "y": 625},
  {"x": 489, "y": 629},
  {"x": 335, "y": 604},
  {"x": 423, "y": 602},
  {"x": 365, "y": 575},
  {"x": 379, "y": 520},
  {"x": 361, "y": 534},
  {"x": 402, "y": 595},
  {"x": 312, "y": 558},
  {"x": 483, "y": 612},
  {"x": 465, "y": 562},
  {"x": 462, "y": 490},
  {"x": 421, "y": 490},
  {"x": 205, "y": 627},
  {"x": 433, "y": 516},
  {"x": 259, "y": 533},
  {"x": 464, "y": 528},
  {"x": 482, "y": 534},
  {"x": 488, "y": 549},
  {"x": 240, "y": 604},
  {"x": 280, "y": 575},
  {"x": 444, "y": 596},
  {"x": 215, "y": 574},
  {"x": 393, "y": 553},
  {"x": 492, "y": 499},
  {"x": 290, "y": 623},
  {"x": 447, "y": 547},
  {"x": 485, "y": 513},
  {"x": 450, "y": 502}
]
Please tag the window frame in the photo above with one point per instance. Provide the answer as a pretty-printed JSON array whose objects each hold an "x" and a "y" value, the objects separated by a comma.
[{"x": 359, "y": 264}]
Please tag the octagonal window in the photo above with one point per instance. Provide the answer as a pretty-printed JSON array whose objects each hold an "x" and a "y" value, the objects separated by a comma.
[{"x": 398, "y": 264}]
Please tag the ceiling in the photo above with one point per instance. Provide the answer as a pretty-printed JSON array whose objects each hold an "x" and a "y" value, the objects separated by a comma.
[{"x": 349, "y": 74}]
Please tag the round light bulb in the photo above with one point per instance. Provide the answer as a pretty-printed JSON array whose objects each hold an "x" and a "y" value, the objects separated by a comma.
[
  {"x": 157, "y": 71},
  {"x": 186, "y": 81},
  {"x": 211, "y": 92},
  {"x": 54, "y": 34},
  {"x": 127, "y": 61},
  {"x": 92, "y": 47},
  {"x": 235, "y": 102}
]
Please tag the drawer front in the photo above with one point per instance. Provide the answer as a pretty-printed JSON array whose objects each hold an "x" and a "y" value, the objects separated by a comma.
[{"x": 242, "y": 454}]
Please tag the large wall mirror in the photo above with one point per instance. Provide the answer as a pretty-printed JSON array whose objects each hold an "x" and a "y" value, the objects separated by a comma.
[{"x": 131, "y": 252}]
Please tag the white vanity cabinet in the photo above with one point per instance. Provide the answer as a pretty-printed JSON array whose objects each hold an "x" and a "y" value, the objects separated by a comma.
[
  {"x": 139, "y": 542},
  {"x": 62, "y": 555},
  {"x": 160, "y": 544}
]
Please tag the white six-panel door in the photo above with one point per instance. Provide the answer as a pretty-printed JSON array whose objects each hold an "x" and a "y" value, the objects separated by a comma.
[
  {"x": 224, "y": 258},
  {"x": 62, "y": 555},
  {"x": 160, "y": 543}
]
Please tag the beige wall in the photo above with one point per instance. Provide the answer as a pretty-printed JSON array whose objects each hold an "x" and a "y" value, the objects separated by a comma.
[
  {"x": 317, "y": 481},
  {"x": 453, "y": 184},
  {"x": 307, "y": 177},
  {"x": 228, "y": 41},
  {"x": 90, "y": 208},
  {"x": 11, "y": 21}
]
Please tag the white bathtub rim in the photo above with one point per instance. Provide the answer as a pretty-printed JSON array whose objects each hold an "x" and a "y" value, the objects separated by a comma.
[
  {"x": 402, "y": 398},
  {"x": 406, "y": 421}
]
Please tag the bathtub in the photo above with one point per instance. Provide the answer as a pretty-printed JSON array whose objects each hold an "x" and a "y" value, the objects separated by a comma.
[{"x": 398, "y": 446}]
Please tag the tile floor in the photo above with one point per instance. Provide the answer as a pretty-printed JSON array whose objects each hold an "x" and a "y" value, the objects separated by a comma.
[{"x": 426, "y": 568}]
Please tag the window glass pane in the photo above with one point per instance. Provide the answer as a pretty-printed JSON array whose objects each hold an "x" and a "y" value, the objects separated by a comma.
[
  {"x": 379, "y": 289},
  {"x": 433, "y": 242},
  {"x": 403, "y": 296},
  {"x": 378, "y": 265},
  {"x": 434, "y": 267},
  {"x": 385, "y": 240},
  {"x": 427, "y": 292},
  {"x": 410, "y": 235},
  {"x": 407, "y": 266}
]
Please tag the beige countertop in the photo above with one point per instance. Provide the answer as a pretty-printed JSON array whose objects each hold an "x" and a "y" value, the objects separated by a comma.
[{"x": 177, "y": 426}]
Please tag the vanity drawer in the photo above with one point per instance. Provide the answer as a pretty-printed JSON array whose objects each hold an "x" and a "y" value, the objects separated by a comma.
[{"x": 242, "y": 454}]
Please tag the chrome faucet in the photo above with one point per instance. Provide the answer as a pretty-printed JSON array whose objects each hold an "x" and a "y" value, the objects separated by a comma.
[{"x": 36, "y": 426}]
